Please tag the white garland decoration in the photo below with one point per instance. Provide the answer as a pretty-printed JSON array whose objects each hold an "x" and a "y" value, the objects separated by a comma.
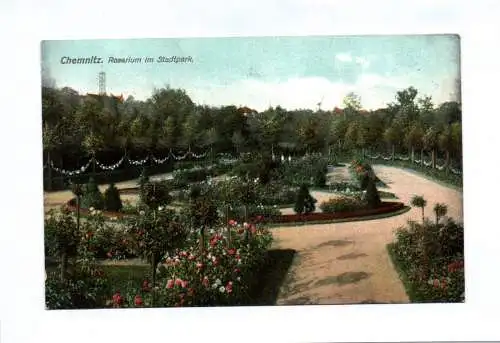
[{"x": 111, "y": 167}]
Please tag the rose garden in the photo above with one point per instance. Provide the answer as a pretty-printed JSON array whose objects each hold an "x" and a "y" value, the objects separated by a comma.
[{"x": 250, "y": 226}]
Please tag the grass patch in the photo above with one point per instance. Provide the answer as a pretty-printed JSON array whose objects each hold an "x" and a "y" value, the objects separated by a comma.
[
  {"x": 411, "y": 289},
  {"x": 271, "y": 277}
]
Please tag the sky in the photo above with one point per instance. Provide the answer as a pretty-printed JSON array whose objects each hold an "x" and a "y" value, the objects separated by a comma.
[{"x": 259, "y": 72}]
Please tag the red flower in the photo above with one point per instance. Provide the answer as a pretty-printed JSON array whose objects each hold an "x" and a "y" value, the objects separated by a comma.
[
  {"x": 233, "y": 222},
  {"x": 231, "y": 251},
  {"x": 138, "y": 300},
  {"x": 178, "y": 282},
  {"x": 184, "y": 284},
  {"x": 237, "y": 270},
  {"x": 170, "y": 283},
  {"x": 117, "y": 299}
]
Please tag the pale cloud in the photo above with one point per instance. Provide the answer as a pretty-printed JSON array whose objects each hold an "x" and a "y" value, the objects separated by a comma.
[
  {"x": 343, "y": 57},
  {"x": 375, "y": 90}
]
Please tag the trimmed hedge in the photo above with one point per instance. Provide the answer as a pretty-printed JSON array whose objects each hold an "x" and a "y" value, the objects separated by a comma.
[{"x": 385, "y": 207}]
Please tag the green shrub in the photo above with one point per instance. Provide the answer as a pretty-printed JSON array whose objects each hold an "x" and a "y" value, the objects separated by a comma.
[
  {"x": 81, "y": 291},
  {"x": 372, "y": 197},
  {"x": 92, "y": 196},
  {"x": 342, "y": 204},
  {"x": 155, "y": 194},
  {"x": 192, "y": 175},
  {"x": 320, "y": 176},
  {"x": 304, "y": 203},
  {"x": 112, "y": 200}
]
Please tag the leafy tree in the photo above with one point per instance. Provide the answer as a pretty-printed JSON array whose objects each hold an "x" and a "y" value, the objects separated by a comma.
[
  {"x": 430, "y": 141},
  {"x": 445, "y": 143},
  {"x": 419, "y": 201},
  {"x": 61, "y": 237},
  {"x": 440, "y": 210},
  {"x": 414, "y": 139},
  {"x": 352, "y": 104}
]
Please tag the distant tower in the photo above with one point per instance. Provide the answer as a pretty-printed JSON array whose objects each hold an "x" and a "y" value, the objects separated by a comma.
[{"x": 102, "y": 83}]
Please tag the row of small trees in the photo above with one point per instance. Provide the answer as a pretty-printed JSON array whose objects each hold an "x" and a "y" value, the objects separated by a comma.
[
  {"x": 440, "y": 210},
  {"x": 86, "y": 125}
]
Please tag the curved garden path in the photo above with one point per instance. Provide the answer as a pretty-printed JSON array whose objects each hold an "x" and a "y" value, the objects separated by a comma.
[{"x": 348, "y": 262}]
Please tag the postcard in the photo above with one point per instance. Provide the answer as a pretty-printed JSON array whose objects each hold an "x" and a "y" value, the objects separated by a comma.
[{"x": 248, "y": 171}]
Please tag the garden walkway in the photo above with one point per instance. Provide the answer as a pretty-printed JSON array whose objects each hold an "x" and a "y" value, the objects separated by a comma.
[{"x": 347, "y": 263}]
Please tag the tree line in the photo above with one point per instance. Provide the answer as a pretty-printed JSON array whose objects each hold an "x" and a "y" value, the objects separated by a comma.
[{"x": 105, "y": 126}]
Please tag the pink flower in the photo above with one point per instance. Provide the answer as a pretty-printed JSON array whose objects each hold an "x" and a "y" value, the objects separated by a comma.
[
  {"x": 191, "y": 257},
  {"x": 170, "y": 283},
  {"x": 237, "y": 270},
  {"x": 205, "y": 282},
  {"x": 178, "y": 282},
  {"x": 199, "y": 265},
  {"x": 184, "y": 284},
  {"x": 246, "y": 225},
  {"x": 229, "y": 287},
  {"x": 436, "y": 283},
  {"x": 231, "y": 251},
  {"x": 233, "y": 222}
]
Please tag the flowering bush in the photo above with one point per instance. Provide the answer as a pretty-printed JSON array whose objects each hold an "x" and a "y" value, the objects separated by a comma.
[
  {"x": 219, "y": 272},
  {"x": 430, "y": 261},
  {"x": 92, "y": 196},
  {"x": 342, "y": 204}
]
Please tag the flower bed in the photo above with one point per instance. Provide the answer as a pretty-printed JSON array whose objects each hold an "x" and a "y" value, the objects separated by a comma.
[
  {"x": 384, "y": 208},
  {"x": 221, "y": 273},
  {"x": 429, "y": 259}
]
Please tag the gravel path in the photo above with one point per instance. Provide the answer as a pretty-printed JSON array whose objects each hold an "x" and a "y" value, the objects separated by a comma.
[{"x": 347, "y": 263}]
